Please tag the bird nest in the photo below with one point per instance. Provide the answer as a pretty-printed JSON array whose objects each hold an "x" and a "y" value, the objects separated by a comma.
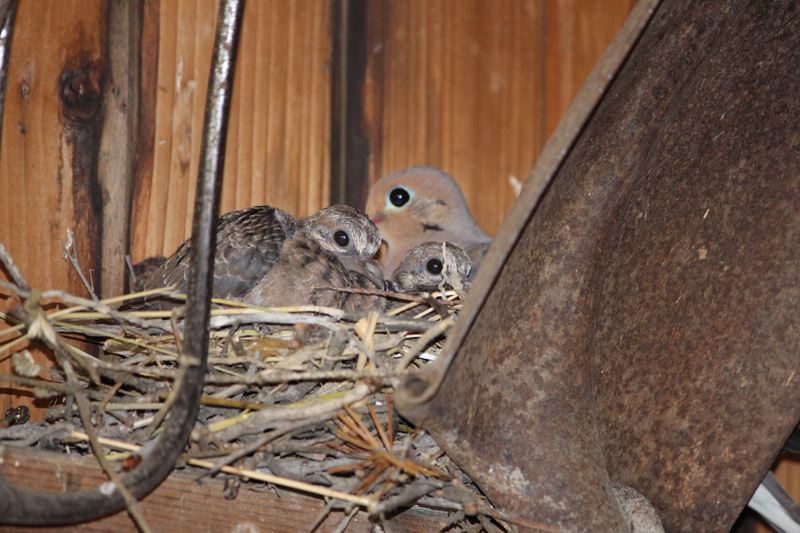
[{"x": 299, "y": 398}]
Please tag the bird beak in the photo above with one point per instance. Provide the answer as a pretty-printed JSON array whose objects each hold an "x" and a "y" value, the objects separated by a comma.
[{"x": 377, "y": 220}]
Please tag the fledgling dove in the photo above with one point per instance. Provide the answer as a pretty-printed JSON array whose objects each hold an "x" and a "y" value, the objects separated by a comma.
[
  {"x": 144, "y": 270},
  {"x": 265, "y": 257},
  {"x": 423, "y": 204},
  {"x": 425, "y": 267}
]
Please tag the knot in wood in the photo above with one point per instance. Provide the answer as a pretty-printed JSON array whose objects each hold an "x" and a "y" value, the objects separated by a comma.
[{"x": 81, "y": 92}]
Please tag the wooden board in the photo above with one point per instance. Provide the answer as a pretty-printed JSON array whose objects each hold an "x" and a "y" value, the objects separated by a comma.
[
  {"x": 182, "y": 504},
  {"x": 51, "y": 141},
  {"x": 577, "y": 33},
  {"x": 459, "y": 85},
  {"x": 278, "y": 138},
  {"x": 787, "y": 470},
  {"x": 475, "y": 86}
]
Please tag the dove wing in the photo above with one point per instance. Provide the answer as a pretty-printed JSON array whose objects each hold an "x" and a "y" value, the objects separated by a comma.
[{"x": 249, "y": 245}]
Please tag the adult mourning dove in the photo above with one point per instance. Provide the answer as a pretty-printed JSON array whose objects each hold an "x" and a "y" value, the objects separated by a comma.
[
  {"x": 267, "y": 258},
  {"x": 425, "y": 267},
  {"x": 422, "y": 204}
]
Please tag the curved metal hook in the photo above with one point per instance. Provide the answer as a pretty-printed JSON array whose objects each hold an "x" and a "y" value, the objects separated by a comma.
[
  {"x": 8, "y": 10},
  {"x": 26, "y": 507}
]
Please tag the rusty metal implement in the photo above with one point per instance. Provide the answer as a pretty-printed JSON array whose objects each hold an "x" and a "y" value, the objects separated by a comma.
[{"x": 636, "y": 319}]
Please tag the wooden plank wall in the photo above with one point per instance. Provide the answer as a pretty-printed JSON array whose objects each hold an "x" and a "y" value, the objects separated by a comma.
[
  {"x": 279, "y": 132},
  {"x": 51, "y": 142},
  {"x": 184, "y": 504},
  {"x": 476, "y": 86},
  {"x": 472, "y": 86}
]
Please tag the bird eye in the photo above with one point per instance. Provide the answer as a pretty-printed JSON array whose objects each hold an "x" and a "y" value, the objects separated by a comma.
[
  {"x": 434, "y": 266},
  {"x": 341, "y": 238},
  {"x": 399, "y": 197}
]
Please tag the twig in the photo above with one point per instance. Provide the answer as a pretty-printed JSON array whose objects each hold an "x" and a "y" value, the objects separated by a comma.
[
  {"x": 101, "y": 306},
  {"x": 248, "y": 317},
  {"x": 35, "y": 382},
  {"x": 487, "y": 524},
  {"x": 185, "y": 363},
  {"x": 252, "y": 474},
  {"x": 518, "y": 520},
  {"x": 231, "y": 333},
  {"x": 409, "y": 494},
  {"x": 321, "y": 517},
  {"x": 258, "y": 421},
  {"x": 12, "y": 268},
  {"x": 110, "y": 394},
  {"x": 85, "y": 412},
  {"x": 424, "y": 340},
  {"x": 31, "y": 313},
  {"x": 12, "y": 344},
  {"x": 73, "y": 258},
  {"x": 122, "y": 340},
  {"x": 131, "y": 271},
  {"x": 375, "y": 292},
  {"x": 346, "y": 521},
  {"x": 275, "y": 377},
  {"x": 55, "y": 429},
  {"x": 10, "y": 286},
  {"x": 271, "y": 436}
]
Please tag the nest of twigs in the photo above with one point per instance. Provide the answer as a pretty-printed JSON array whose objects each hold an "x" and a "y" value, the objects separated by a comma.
[{"x": 293, "y": 397}]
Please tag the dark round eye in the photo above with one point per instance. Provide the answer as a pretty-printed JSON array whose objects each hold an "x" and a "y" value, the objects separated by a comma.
[
  {"x": 341, "y": 238},
  {"x": 399, "y": 197},
  {"x": 434, "y": 266}
]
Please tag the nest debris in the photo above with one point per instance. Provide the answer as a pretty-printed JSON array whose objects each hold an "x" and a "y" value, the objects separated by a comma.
[{"x": 293, "y": 397}]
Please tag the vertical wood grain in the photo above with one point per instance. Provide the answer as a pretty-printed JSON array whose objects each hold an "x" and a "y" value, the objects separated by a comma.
[
  {"x": 51, "y": 139},
  {"x": 475, "y": 86},
  {"x": 278, "y": 137},
  {"x": 115, "y": 165},
  {"x": 144, "y": 154},
  {"x": 350, "y": 138},
  {"x": 458, "y": 85},
  {"x": 578, "y": 32}
]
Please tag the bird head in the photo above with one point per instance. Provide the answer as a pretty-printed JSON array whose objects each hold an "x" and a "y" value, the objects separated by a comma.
[
  {"x": 427, "y": 265},
  {"x": 417, "y": 205},
  {"x": 348, "y": 234},
  {"x": 342, "y": 230}
]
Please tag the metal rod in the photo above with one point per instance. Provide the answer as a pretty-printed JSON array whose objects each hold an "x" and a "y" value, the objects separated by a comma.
[{"x": 8, "y": 10}]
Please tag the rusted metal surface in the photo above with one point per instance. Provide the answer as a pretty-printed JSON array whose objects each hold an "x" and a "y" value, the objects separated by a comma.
[{"x": 643, "y": 325}]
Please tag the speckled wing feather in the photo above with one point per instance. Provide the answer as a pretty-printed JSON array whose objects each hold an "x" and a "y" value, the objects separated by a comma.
[
  {"x": 144, "y": 270},
  {"x": 249, "y": 245},
  {"x": 304, "y": 276}
]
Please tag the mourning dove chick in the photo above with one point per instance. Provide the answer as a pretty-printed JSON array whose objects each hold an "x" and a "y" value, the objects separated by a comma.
[
  {"x": 267, "y": 258},
  {"x": 357, "y": 258},
  {"x": 423, "y": 204},
  {"x": 427, "y": 266},
  {"x": 142, "y": 271}
]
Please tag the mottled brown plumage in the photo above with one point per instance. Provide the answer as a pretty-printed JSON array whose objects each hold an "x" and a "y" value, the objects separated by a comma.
[
  {"x": 267, "y": 258},
  {"x": 427, "y": 265},
  {"x": 422, "y": 204},
  {"x": 144, "y": 270}
]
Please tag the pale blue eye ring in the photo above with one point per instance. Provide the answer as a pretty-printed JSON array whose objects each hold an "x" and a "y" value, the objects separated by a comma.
[{"x": 398, "y": 197}]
